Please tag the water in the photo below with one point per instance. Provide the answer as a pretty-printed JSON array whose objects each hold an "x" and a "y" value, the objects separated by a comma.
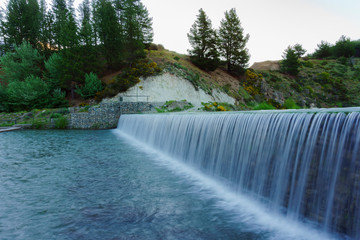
[
  {"x": 95, "y": 185},
  {"x": 301, "y": 165},
  {"x": 166, "y": 177}
]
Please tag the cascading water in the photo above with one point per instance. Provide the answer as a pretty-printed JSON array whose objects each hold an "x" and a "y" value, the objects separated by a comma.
[{"x": 305, "y": 165}]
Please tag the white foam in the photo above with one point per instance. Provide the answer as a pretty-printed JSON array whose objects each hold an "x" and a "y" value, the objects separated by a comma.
[{"x": 244, "y": 209}]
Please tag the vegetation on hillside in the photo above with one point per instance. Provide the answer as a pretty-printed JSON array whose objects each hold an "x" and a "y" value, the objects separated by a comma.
[
  {"x": 209, "y": 45},
  {"x": 50, "y": 56}
]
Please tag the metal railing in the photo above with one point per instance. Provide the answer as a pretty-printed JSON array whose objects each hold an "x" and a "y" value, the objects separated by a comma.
[{"x": 137, "y": 97}]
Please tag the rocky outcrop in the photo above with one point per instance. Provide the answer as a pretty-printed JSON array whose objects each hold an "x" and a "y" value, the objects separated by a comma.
[
  {"x": 167, "y": 87},
  {"x": 267, "y": 65}
]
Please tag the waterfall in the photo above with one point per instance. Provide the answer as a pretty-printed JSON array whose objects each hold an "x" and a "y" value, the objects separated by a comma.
[{"x": 305, "y": 165}]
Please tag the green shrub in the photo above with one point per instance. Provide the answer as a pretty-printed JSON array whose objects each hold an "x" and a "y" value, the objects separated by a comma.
[
  {"x": 343, "y": 60},
  {"x": 323, "y": 77},
  {"x": 296, "y": 86},
  {"x": 61, "y": 123},
  {"x": 215, "y": 106},
  {"x": 21, "y": 63},
  {"x": 290, "y": 104},
  {"x": 323, "y": 50},
  {"x": 29, "y": 94},
  {"x": 128, "y": 78},
  {"x": 264, "y": 106},
  {"x": 92, "y": 85},
  {"x": 58, "y": 99},
  {"x": 307, "y": 64},
  {"x": 44, "y": 113},
  {"x": 54, "y": 71},
  {"x": 38, "y": 124},
  {"x": 55, "y": 115},
  {"x": 310, "y": 89},
  {"x": 226, "y": 88}
]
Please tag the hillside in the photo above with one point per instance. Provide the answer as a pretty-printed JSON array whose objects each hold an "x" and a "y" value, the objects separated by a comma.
[{"x": 321, "y": 83}]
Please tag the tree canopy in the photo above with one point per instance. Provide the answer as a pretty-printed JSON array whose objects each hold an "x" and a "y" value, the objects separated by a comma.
[
  {"x": 229, "y": 42},
  {"x": 233, "y": 42},
  {"x": 53, "y": 44},
  {"x": 203, "y": 39},
  {"x": 290, "y": 63}
]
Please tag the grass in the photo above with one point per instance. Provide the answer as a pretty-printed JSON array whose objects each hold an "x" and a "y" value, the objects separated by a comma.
[{"x": 37, "y": 118}]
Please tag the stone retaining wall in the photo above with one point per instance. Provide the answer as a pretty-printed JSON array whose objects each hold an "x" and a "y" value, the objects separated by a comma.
[{"x": 105, "y": 116}]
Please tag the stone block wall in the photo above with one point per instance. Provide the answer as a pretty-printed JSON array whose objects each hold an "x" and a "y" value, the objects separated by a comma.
[
  {"x": 134, "y": 107},
  {"x": 105, "y": 116}
]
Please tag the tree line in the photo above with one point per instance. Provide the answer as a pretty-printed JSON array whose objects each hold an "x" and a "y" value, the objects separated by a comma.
[
  {"x": 343, "y": 50},
  {"x": 209, "y": 46},
  {"x": 56, "y": 48}
]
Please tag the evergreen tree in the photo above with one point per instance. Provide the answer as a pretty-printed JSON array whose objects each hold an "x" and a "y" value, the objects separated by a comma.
[
  {"x": 28, "y": 94},
  {"x": 21, "y": 63},
  {"x": 109, "y": 32},
  {"x": 299, "y": 50},
  {"x": 323, "y": 50},
  {"x": 54, "y": 71},
  {"x": 145, "y": 25},
  {"x": 136, "y": 26},
  {"x": 21, "y": 22},
  {"x": 95, "y": 22},
  {"x": 59, "y": 12},
  {"x": 290, "y": 63},
  {"x": 203, "y": 39},
  {"x": 89, "y": 52},
  {"x": 70, "y": 30},
  {"x": 92, "y": 86},
  {"x": 86, "y": 31},
  {"x": 344, "y": 47},
  {"x": 233, "y": 42}
]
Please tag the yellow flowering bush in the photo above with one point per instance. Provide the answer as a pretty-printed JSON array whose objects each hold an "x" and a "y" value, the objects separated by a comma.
[
  {"x": 214, "y": 106},
  {"x": 221, "y": 108},
  {"x": 252, "y": 82}
]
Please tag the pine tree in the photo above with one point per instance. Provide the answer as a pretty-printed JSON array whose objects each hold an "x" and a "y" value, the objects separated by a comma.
[
  {"x": 203, "y": 39},
  {"x": 290, "y": 63},
  {"x": 21, "y": 22},
  {"x": 299, "y": 50},
  {"x": 70, "y": 29},
  {"x": 86, "y": 31},
  {"x": 323, "y": 50},
  {"x": 136, "y": 28},
  {"x": 108, "y": 30},
  {"x": 59, "y": 11},
  {"x": 20, "y": 63},
  {"x": 145, "y": 25},
  {"x": 89, "y": 53},
  {"x": 233, "y": 42}
]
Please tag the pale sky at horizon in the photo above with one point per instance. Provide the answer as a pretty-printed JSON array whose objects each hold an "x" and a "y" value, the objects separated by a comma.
[{"x": 272, "y": 25}]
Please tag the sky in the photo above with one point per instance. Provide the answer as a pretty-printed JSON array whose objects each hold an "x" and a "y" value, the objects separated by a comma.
[{"x": 272, "y": 25}]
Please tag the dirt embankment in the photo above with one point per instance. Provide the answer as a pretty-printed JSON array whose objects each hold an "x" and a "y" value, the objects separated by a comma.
[{"x": 266, "y": 66}]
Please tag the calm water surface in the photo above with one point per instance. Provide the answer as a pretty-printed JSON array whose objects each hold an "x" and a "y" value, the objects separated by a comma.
[{"x": 94, "y": 185}]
